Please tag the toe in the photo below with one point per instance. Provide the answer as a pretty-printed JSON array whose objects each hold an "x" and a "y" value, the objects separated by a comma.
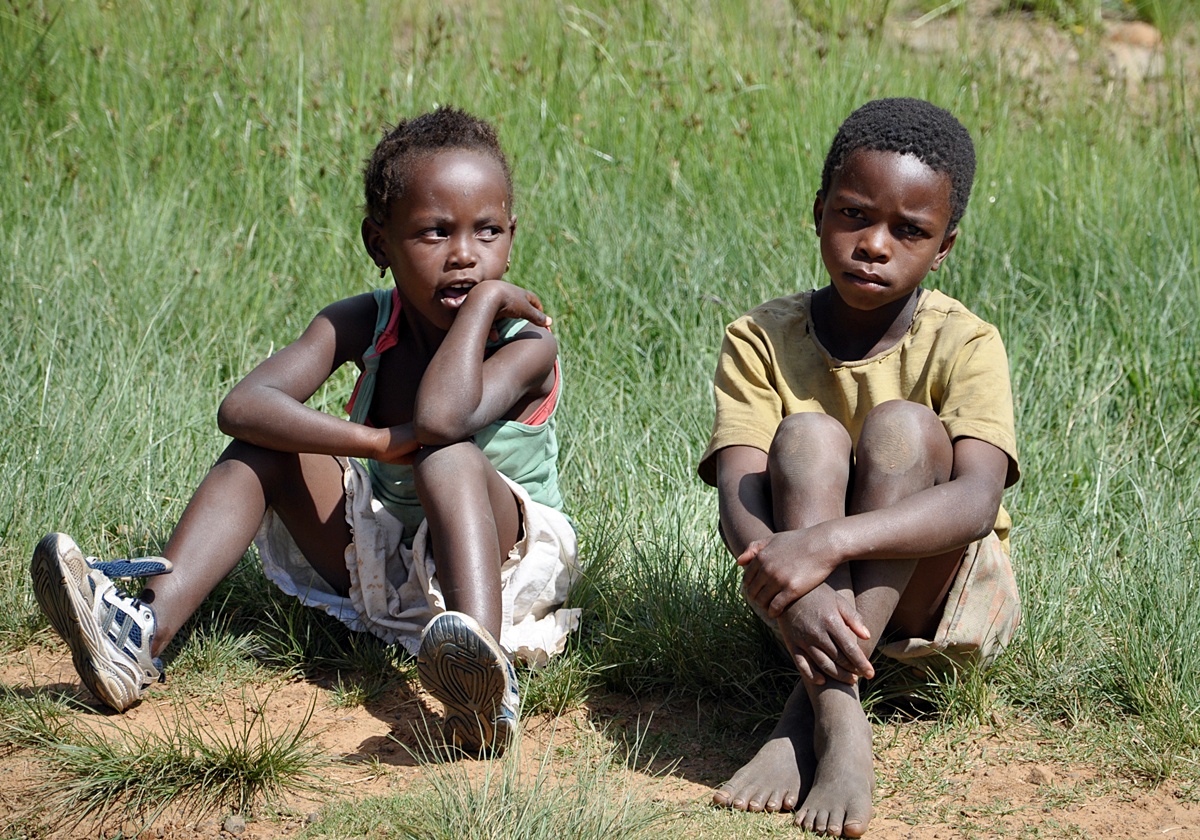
[
  {"x": 854, "y": 828},
  {"x": 820, "y": 821}
]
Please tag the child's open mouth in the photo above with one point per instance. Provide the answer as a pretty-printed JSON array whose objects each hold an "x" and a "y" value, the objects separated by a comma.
[{"x": 453, "y": 296}]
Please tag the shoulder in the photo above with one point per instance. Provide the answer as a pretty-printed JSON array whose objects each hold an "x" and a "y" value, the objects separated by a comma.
[
  {"x": 778, "y": 311},
  {"x": 352, "y": 309},
  {"x": 949, "y": 319},
  {"x": 773, "y": 321},
  {"x": 349, "y": 322}
]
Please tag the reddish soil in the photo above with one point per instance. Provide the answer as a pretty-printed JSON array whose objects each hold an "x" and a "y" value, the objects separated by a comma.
[{"x": 1000, "y": 780}]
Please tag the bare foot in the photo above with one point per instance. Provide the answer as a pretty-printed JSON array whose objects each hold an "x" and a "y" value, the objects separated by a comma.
[
  {"x": 781, "y": 769},
  {"x": 839, "y": 803}
]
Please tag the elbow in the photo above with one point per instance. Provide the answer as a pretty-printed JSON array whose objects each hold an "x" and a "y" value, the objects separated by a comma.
[
  {"x": 231, "y": 415},
  {"x": 983, "y": 522},
  {"x": 432, "y": 430}
]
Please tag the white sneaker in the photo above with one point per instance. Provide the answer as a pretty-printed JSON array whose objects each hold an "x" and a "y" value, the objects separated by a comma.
[
  {"x": 460, "y": 663},
  {"x": 109, "y": 632}
]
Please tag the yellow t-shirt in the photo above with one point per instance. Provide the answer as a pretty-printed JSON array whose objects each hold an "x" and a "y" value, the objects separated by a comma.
[{"x": 950, "y": 360}]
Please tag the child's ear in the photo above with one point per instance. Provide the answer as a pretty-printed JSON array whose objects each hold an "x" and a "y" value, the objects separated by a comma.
[
  {"x": 944, "y": 250},
  {"x": 372, "y": 236},
  {"x": 512, "y": 225},
  {"x": 818, "y": 210}
]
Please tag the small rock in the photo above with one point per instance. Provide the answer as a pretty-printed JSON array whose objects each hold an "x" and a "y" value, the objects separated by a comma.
[
  {"x": 1040, "y": 775},
  {"x": 234, "y": 824},
  {"x": 1136, "y": 33}
]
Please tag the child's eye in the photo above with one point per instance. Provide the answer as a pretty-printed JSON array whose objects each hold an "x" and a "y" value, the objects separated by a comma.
[
  {"x": 852, "y": 213},
  {"x": 911, "y": 231},
  {"x": 489, "y": 233},
  {"x": 433, "y": 233}
]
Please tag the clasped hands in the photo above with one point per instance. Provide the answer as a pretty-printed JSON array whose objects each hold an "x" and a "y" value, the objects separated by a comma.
[{"x": 785, "y": 575}]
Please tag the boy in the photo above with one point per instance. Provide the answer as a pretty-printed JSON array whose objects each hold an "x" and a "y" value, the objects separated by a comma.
[{"x": 862, "y": 441}]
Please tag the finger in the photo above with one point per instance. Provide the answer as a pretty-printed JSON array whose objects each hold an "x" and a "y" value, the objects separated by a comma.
[
  {"x": 780, "y": 603},
  {"x": 805, "y": 668},
  {"x": 808, "y": 672},
  {"x": 836, "y": 664},
  {"x": 851, "y": 655},
  {"x": 853, "y": 620},
  {"x": 762, "y": 592},
  {"x": 750, "y": 553},
  {"x": 822, "y": 661},
  {"x": 844, "y": 676}
]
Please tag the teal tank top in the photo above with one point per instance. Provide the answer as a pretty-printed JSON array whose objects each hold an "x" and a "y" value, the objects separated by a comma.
[{"x": 526, "y": 454}]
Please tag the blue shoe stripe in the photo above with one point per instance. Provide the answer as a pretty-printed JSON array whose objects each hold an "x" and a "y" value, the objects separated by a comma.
[{"x": 142, "y": 567}]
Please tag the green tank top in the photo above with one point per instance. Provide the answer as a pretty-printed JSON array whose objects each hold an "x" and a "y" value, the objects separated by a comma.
[{"x": 527, "y": 454}]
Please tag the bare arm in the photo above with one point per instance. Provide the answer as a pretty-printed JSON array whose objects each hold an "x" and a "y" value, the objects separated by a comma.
[
  {"x": 743, "y": 493},
  {"x": 267, "y": 407},
  {"x": 461, "y": 392}
]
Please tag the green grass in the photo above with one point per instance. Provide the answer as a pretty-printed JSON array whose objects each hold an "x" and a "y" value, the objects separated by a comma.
[
  {"x": 590, "y": 797},
  {"x": 130, "y": 775},
  {"x": 181, "y": 194}
]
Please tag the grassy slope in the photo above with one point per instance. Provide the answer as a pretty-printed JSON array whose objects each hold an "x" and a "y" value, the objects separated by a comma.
[{"x": 181, "y": 195}]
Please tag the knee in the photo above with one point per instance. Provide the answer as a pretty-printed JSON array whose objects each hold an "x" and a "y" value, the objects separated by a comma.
[
  {"x": 899, "y": 435},
  {"x": 273, "y": 471},
  {"x": 809, "y": 438},
  {"x": 270, "y": 465}
]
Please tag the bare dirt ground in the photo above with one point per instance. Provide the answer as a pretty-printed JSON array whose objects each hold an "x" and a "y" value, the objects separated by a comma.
[{"x": 1000, "y": 780}]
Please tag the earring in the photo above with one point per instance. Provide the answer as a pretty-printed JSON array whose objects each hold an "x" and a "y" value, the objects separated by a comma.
[
  {"x": 508, "y": 265},
  {"x": 382, "y": 271}
]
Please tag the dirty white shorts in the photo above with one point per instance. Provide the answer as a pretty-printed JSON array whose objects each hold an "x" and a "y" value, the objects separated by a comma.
[{"x": 394, "y": 590}]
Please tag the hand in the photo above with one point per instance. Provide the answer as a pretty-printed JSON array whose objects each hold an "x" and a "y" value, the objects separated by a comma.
[
  {"x": 784, "y": 567},
  {"x": 511, "y": 301},
  {"x": 821, "y": 631},
  {"x": 399, "y": 445}
]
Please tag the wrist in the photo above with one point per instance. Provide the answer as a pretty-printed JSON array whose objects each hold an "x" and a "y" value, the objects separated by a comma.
[
  {"x": 486, "y": 296},
  {"x": 838, "y": 541},
  {"x": 379, "y": 443}
]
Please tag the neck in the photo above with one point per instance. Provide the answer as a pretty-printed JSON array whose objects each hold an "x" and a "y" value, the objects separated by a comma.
[{"x": 851, "y": 334}]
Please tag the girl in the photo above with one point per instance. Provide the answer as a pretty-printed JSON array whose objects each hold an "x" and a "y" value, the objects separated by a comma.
[{"x": 450, "y": 538}]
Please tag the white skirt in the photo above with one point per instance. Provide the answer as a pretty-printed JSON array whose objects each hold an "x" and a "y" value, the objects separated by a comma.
[{"x": 394, "y": 596}]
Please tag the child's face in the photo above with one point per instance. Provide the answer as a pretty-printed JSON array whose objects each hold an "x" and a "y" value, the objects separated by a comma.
[
  {"x": 882, "y": 225},
  {"x": 452, "y": 229}
]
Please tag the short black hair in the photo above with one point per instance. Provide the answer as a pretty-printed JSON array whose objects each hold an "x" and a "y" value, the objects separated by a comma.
[
  {"x": 911, "y": 127},
  {"x": 386, "y": 172}
]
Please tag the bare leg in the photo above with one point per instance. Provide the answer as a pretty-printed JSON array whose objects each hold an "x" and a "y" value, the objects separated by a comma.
[
  {"x": 902, "y": 449},
  {"x": 809, "y": 468},
  {"x": 473, "y": 524},
  {"x": 223, "y": 516}
]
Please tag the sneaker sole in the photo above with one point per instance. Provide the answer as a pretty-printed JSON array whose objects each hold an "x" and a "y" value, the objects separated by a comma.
[
  {"x": 56, "y": 568},
  {"x": 458, "y": 667}
]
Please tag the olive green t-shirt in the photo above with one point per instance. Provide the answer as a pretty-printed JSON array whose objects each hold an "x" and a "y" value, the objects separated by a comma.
[{"x": 772, "y": 365}]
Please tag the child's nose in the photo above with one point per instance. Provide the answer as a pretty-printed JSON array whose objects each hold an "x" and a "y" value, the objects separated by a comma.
[
  {"x": 874, "y": 244},
  {"x": 462, "y": 251}
]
